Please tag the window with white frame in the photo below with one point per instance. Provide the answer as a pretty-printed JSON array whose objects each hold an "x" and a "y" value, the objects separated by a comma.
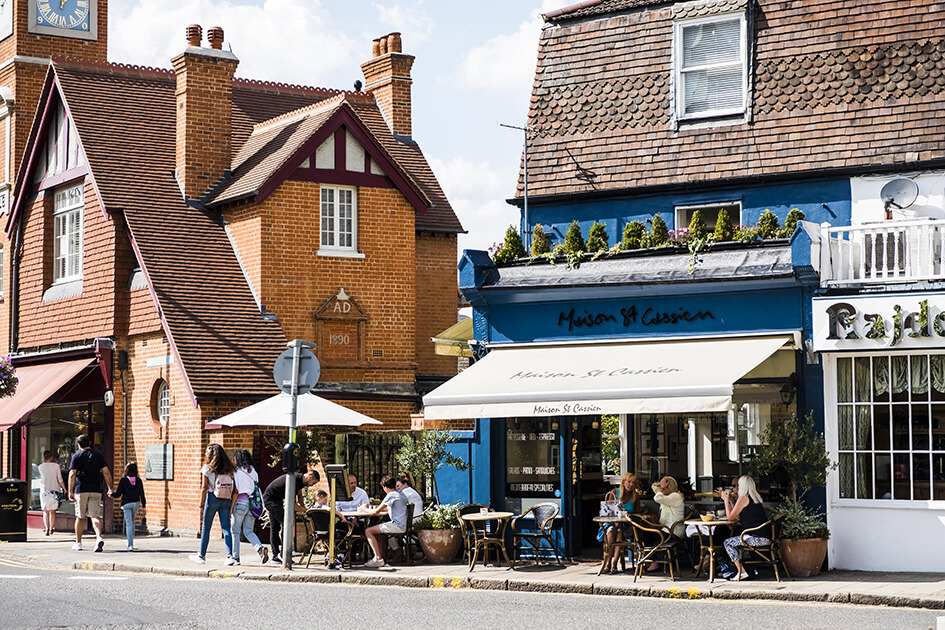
[
  {"x": 339, "y": 206},
  {"x": 891, "y": 427},
  {"x": 68, "y": 205},
  {"x": 710, "y": 214},
  {"x": 711, "y": 66},
  {"x": 163, "y": 403},
  {"x": 613, "y": 444}
]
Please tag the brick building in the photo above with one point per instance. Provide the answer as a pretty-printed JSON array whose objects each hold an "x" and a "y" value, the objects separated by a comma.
[{"x": 170, "y": 230}]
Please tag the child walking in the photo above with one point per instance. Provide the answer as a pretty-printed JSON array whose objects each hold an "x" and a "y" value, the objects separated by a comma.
[
  {"x": 131, "y": 491},
  {"x": 50, "y": 476}
]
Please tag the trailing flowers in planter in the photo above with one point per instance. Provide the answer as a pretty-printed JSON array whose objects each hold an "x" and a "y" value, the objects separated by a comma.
[{"x": 8, "y": 378}]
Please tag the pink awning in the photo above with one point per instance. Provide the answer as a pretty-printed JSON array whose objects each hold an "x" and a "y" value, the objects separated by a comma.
[{"x": 37, "y": 384}]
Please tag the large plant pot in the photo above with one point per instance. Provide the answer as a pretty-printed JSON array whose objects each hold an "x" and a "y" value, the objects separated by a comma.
[
  {"x": 803, "y": 558},
  {"x": 440, "y": 545}
]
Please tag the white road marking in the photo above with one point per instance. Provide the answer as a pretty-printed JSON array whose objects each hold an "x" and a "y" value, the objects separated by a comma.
[
  {"x": 18, "y": 577},
  {"x": 97, "y": 577}
]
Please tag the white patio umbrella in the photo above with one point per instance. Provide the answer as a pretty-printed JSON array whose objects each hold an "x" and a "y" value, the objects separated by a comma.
[{"x": 312, "y": 411}]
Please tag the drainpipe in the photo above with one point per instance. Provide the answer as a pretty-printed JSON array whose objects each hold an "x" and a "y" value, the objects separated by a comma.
[
  {"x": 15, "y": 285},
  {"x": 122, "y": 361}
]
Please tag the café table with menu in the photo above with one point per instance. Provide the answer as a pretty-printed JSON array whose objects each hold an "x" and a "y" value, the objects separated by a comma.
[
  {"x": 708, "y": 549},
  {"x": 483, "y": 538}
]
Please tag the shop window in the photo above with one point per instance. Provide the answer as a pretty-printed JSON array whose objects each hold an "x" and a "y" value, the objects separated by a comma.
[
  {"x": 891, "y": 427},
  {"x": 339, "y": 206},
  {"x": 162, "y": 403},
  {"x": 711, "y": 67},
  {"x": 613, "y": 437},
  {"x": 533, "y": 458}
]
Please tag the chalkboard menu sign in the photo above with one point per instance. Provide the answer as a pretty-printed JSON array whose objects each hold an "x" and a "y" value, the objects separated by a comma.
[{"x": 532, "y": 458}]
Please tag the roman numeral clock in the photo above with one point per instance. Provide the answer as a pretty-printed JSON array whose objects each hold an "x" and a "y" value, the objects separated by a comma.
[{"x": 64, "y": 18}]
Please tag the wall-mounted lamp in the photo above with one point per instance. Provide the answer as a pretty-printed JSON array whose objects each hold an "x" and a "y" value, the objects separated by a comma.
[{"x": 788, "y": 390}]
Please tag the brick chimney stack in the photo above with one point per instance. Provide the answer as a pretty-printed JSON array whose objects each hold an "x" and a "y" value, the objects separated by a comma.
[
  {"x": 204, "y": 110},
  {"x": 387, "y": 77}
]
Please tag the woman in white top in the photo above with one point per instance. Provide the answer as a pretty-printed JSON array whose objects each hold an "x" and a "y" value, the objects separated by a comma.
[
  {"x": 50, "y": 479},
  {"x": 672, "y": 508},
  {"x": 246, "y": 480}
]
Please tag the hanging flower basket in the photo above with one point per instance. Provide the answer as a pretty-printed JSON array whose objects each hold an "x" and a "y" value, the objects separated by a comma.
[{"x": 8, "y": 379}]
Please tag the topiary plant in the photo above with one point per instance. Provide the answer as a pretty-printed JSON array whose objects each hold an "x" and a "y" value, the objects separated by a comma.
[
  {"x": 573, "y": 241},
  {"x": 511, "y": 248},
  {"x": 659, "y": 233},
  {"x": 597, "y": 238},
  {"x": 768, "y": 225},
  {"x": 540, "y": 244},
  {"x": 723, "y": 227},
  {"x": 697, "y": 229},
  {"x": 634, "y": 235},
  {"x": 790, "y": 223}
]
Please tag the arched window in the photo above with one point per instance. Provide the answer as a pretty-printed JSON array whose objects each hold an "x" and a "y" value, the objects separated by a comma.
[{"x": 163, "y": 402}]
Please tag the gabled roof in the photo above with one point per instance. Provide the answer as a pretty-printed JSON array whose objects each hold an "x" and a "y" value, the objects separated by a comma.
[
  {"x": 596, "y": 7},
  {"x": 844, "y": 90}
]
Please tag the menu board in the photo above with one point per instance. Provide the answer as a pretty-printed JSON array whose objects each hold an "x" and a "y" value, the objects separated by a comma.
[{"x": 532, "y": 458}]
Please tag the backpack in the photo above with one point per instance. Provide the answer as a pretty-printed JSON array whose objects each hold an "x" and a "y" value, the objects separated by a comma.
[
  {"x": 223, "y": 486},
  {"x": 256, "y": 502}
]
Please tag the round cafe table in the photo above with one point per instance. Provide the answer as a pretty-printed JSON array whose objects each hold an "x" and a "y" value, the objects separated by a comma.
[
  {"x": 707, "y": 548},
  {"x": 609, "y": 546},
  {"x": 483, "y": 539}
]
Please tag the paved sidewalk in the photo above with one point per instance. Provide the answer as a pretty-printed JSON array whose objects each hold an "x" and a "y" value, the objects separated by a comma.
[{"x": 169, "y": 555}]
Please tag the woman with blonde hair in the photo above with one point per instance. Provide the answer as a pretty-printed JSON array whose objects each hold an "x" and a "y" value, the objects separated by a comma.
[
  {"x": 749, "y": 509},
  {"x": 672, "y": 509},
  {"x": 629, "y": 499}
]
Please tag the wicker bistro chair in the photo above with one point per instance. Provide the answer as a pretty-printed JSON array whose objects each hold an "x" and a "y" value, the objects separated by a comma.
[
  {"x": 344, "y": 536},
  {"x": 622, "y": 546},
  {"x": 465, "y": 529},
  {"x": 655, "y": 544},
  {"x": 545, "y": 515},
  {"x": 770, "y": 554}
]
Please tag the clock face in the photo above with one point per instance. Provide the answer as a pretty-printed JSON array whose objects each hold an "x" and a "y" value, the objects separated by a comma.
[{"x": 67, "y": 18}]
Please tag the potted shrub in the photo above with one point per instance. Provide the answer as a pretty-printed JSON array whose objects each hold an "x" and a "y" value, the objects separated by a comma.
[
  {"x": 426, "y": 453},
  {"x": 794, "y": 453},
  {"x": 439, "y": 532}
]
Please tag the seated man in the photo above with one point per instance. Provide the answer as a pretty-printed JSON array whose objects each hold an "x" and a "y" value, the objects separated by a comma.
[
  {"x": 358, "y": 497},
  {"x": 412, "y": 496},
  {"x": 395, "y": 506}
]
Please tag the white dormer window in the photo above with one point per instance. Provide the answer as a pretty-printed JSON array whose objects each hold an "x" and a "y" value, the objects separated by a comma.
[
  {"x": 339, "y": 207},
  {"x": 710, "y": 67},
  {"x": 69, "y": 203}
]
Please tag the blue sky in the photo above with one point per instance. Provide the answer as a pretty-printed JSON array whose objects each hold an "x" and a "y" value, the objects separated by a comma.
[{"x": 474, "y": 69}]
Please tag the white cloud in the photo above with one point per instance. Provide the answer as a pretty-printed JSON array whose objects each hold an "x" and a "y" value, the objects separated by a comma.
[
  {"x": 412, "y": 22},
  {"x": 277, "y": 40},
  {"x": 477, "y": 193}
]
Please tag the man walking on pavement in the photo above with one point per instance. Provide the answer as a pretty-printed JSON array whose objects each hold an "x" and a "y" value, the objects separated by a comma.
[
  {"x": 274, "y": 500},
  {"x": 88, "y": 473}
]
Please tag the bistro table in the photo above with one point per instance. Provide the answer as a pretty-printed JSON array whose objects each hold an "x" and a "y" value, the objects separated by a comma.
[
  {"x": 482, "y": 538},
  {"x": 707, "y": 547},
  {"x": 616, "y": 544}
]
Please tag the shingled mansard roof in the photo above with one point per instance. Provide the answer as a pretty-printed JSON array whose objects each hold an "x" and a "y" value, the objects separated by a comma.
[
  {"x": 834, "y": 85},
  {"x": 125, "y": 119}
]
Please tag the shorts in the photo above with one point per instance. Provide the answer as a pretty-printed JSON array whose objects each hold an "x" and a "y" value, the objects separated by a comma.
[
  {"x": 389, "y": 527},
  {"x": 49, "y": 501},
  {"x": 89, "y": 505}
]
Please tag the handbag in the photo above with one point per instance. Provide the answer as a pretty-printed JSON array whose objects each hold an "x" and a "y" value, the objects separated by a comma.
[{"x": 256, "y": 502}]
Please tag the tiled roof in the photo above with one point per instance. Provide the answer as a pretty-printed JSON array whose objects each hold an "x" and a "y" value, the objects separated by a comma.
[
  {"x": 834, "y": 86},
  {"x": 596, "y": 7}
]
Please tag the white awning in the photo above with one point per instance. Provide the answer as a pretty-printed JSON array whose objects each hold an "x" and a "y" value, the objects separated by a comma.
[{"x": 646, "y": 377}]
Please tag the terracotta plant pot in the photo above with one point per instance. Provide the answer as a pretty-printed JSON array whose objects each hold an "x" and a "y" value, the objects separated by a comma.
[
  {"x": 440, "y": 545},
  {"x": 803, "y": 558}
]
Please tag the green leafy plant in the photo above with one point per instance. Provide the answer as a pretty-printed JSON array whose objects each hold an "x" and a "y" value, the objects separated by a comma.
[
  {"x": 790, "y": 223},
  {"x": 8, "y": 378},
  {"x": 634, "y": 235},
  {"x": 723, "y": 227},
  {"x": 573, "y": 241},
  {"x": 800, "y": 523},
  {"x": 597, "y": 238},
  {"x": 696, "y": 245},
  {"x": 794, "y": 452},
  {"x": 511, "y": 248},
  {"x": 540, "y": 245},
  {"x": 426, "y": 453},
  {"x": 659, "y": 233},
  {"x": 768, "y": 225},
  {"x": 310, "y": 444},
  {"x": 697, "y": 229},
  {"x": 746, "y": 233},
  {"x": 441, "y": 516}
]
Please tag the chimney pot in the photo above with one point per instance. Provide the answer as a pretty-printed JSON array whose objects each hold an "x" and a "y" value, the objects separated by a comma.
[
  {"x": 215, "y": 37},
  {"x": 194, "y": 33},
  {"x": 376, "y": 48},
  {"x": 382, "y": 43},
  {"x": 393, "y": 43}
]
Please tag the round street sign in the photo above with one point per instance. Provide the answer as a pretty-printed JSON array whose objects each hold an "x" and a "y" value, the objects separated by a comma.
[{"x": 309, "y": 371}]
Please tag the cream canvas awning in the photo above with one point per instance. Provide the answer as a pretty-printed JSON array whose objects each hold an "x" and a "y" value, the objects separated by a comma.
[{"x": 591, "y": 379}]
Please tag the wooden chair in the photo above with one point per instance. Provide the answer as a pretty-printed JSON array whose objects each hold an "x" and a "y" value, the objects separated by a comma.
[
  {"x": 769, "y": 554},
  {"x": 545, "y": 515},
  {"x": 465, "y": 529},
  {"x": 344, "y": 537},
  {"x": 680, "y": 525},
  {"x": 622, "y": 546},
  {"x": 655, "y": 544},
  {"x": 407, "y": 540}
]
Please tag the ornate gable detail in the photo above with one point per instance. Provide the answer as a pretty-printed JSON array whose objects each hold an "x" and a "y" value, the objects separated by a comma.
[{"x": 340, "y": 324}]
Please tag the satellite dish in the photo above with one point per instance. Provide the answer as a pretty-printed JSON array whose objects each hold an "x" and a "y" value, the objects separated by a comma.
[{"x": 900, "y": 192}]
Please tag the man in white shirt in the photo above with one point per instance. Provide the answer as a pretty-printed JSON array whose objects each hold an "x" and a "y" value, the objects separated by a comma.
[
  {"x": 394, "y": 505},
  {"x": 358, "y": 497},
  {"x": 412, "y": 496}
]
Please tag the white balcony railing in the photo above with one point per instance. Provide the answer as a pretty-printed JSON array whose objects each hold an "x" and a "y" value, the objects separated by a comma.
[{"x": 881, "y": 253}]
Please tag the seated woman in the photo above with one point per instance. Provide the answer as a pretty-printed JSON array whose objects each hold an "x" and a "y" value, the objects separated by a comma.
[
  {"x": 672, "y": 508},
  {"x": 630, "y": 501},
  {"x": 749, "y": 510}
]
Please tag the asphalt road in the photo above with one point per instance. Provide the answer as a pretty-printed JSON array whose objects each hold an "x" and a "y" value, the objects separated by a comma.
[{"x": 32, "y": 598}]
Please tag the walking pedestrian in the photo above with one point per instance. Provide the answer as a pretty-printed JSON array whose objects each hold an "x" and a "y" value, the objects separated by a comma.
[
  {"x": 216, "y": 498},
  {"x": 274, "y": 499},
  {"x": 88, "y": 473},
  {"x": 247, "y": 485},
  {"x": 50, "y": 479},
  {"x": 131, "y": 492}
]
